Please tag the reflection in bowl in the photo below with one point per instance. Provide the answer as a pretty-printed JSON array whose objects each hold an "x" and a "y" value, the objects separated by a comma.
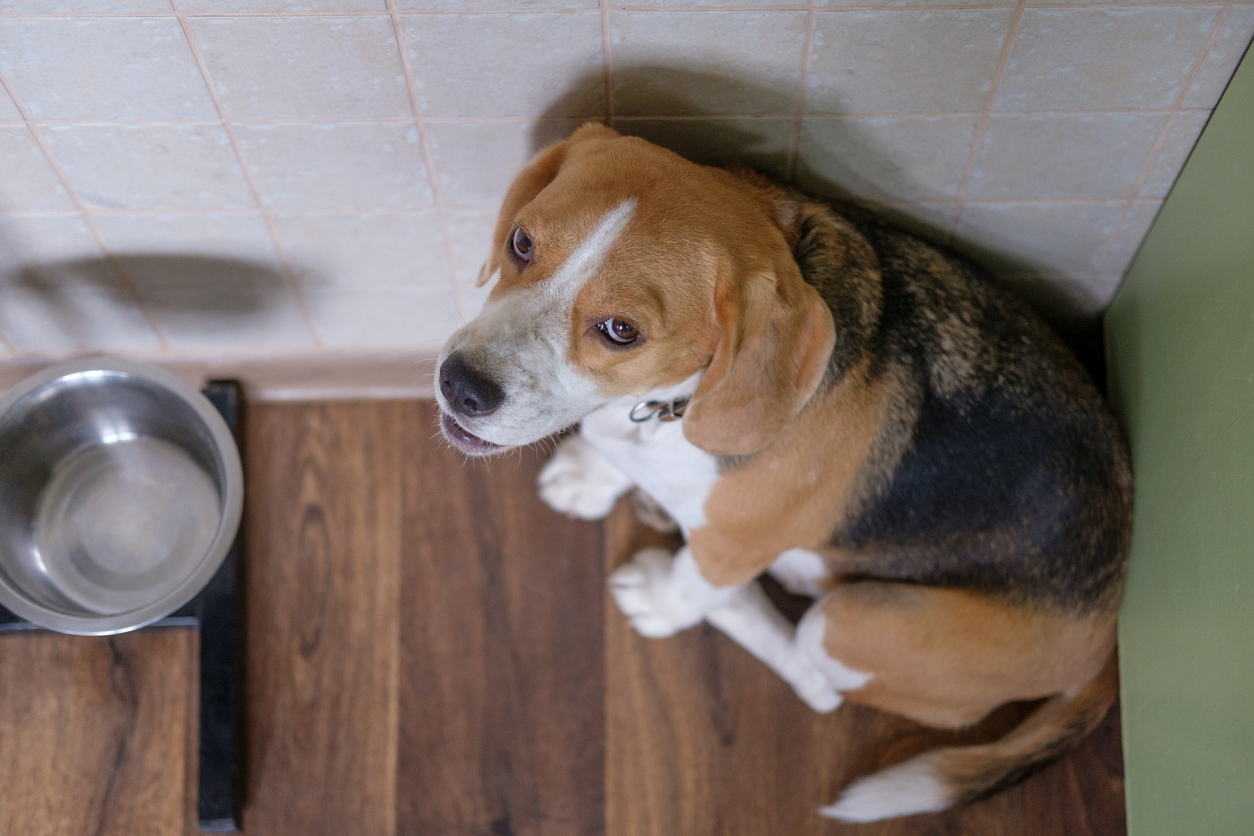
[{"x": 120, "y": 494}]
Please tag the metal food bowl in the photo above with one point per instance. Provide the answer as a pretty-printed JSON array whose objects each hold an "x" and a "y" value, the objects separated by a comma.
[{"x": 120, "y": 494}]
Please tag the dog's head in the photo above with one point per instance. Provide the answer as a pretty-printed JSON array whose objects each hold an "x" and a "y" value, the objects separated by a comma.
[{"x": 625, "y": 269}]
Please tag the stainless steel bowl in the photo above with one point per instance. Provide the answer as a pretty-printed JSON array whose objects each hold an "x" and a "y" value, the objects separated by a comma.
[{"x": 120, "y": 494}]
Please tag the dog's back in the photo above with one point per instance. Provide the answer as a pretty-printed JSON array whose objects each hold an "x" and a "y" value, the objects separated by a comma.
[
  {"x": 997, "y": 488},
  {"x": 1000, "y": 469}
]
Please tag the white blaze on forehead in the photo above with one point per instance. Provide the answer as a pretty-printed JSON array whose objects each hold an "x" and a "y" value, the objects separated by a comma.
[
  {"x": 590, "y": 254},
  {"x": 522, "y": 338}
]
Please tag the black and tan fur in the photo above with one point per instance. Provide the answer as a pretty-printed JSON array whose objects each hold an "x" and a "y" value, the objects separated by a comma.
[
  {"x": 1000, "y": 468},
  {"x": 996, "y": 469}
]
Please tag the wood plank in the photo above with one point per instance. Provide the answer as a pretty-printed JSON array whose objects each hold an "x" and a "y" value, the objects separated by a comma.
[
  {"x": 502, "y": 722},
  {"x": 191, "y": 768},
  {"x": 321, "y": 578},
  {"x": 703, "y": 739},
  {"x": 93, "y": 733}
]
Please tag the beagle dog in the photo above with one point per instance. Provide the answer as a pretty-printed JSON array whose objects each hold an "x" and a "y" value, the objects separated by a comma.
[{"x": 830, "y": 400}]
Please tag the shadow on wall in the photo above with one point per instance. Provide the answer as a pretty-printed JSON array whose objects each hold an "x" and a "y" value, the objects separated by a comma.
[
  {"x": 757, "y": 141},
  {"x": 197, "y": 302},
  {"x": 856, "y": 171}
]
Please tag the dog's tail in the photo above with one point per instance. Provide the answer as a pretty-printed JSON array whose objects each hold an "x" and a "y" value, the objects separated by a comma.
[{"x": 958, "y": 774}]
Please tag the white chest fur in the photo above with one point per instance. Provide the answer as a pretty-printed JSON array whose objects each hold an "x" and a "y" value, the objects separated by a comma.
[{"x": 657, "y": 457}]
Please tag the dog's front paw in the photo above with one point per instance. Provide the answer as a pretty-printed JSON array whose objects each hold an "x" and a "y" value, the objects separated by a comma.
[
  {"x": 579, "y": 481},
  {"x": 645, "y": 591}
]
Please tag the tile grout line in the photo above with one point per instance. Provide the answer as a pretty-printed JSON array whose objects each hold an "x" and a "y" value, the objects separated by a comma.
[
  {"x": 119, "y": 274},
  {"x": 8, "y": 345},
  {"x": 285, "y": 265},
  {"x": 428, "y": 160},
  {"x": 5, "y": 342},
  {"x": 932, "y": 114},
  {"x": 661, "y": 117},
  {"x": 606, "y": 66},
  {"x": 996, "y": 201},
  {"x": 799, "y": 7},
  {"x": 884, "y": 7},
  {"x": 252, "y": 210},
  {"x": 466, "y": 207},
  {"x": 1003, "y": 60},
  {"x": 794, "y": 130},
  {"x": 1063, "y": 6},
  {"x": 1161, "y": 139},
  {"x": 427, "y": 349}
]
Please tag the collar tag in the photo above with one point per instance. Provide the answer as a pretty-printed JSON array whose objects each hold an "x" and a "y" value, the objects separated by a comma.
[{"x": 664, "y": 411}]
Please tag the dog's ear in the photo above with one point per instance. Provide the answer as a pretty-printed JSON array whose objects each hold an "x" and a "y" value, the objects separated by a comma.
[
  {"x": 776, "y": 335},
  {"x": 530, "y": 182}
]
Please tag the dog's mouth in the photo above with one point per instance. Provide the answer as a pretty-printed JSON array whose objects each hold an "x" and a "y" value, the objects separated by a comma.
[{"x": 464, "y": 440}]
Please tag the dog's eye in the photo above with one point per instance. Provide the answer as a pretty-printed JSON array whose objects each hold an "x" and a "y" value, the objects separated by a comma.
[
  {"x": 618, "y": 331},
  {"x": 521, "y": 242}
]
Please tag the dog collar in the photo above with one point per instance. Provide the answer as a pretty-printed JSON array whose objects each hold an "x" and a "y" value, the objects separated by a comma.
[{"x": 664, "y": 411}]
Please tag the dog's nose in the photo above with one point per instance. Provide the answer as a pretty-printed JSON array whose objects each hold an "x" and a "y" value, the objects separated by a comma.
[{"x": 467, "y": 391}]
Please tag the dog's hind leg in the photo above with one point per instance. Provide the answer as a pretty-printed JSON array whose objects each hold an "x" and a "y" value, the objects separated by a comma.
[
  {"x": 752, "y": 621},
  {"x": 580, "y": 482},
  {"x": 802, "y": 572},
  {"x": 947, "y": 657},
  {"x": 661, "y": 595}
]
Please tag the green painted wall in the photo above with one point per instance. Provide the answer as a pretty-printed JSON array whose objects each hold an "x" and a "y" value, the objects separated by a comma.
[{"x": 1180, "y": 348}]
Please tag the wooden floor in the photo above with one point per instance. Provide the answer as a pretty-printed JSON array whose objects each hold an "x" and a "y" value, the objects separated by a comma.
[{"x": 430, "y": 652}]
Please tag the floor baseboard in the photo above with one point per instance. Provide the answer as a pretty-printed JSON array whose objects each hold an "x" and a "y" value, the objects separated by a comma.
[{"x": 306, "y": 376}]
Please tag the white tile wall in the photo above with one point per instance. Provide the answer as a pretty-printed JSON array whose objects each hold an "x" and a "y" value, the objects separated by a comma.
[
  {"x": 212, "y": 282},
  {"x": 467, "y": 230},
  {"x": 8, "y": 110},
  {"x": 86, "y": 69},
  {"x": 1104, "y": 58},
  {"x": 303, "y": 67},
  {"x": 336, "y": 165},
  {"x": 1178, "y": 140},
  {"x": 240, "y": 235},
  {"x": 60, "y": 295},
  {"x": 277, "y": 6},
  {"x": 365, "y": 249},
  {"x": 217, "y": 316},
  {"x": 66, "y": 319},
  {"x": 384, "y": 317},
  {"x": 476, "y": 161},
  {"x": 233, "y": 177},
  {"x": 30, "y": 183},
  {"x": 889, "y": 61},
  {"x": 84, "y": 7},
  {"x": 888, "y": 158},
  {"x": 1123, "y": 245},
  {"x": 1056, "y": 239},
  {"x": 495, "y": 5},
  {"x": 1062, "y": 156},
  {"x": 168, "y": 166},
  {"x": 913, "y": 3},
  {"x": 506, "y": 65},
  {"x": 762, "y": 142},
  {"x": 1230, "y": 42},
  {"x": 725, "y": 63}
]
